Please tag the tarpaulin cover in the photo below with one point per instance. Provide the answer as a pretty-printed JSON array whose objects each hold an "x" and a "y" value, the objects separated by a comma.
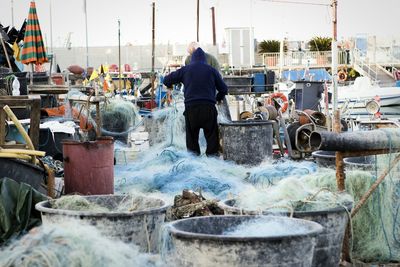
[
  {"x": 17, "y": 208},
  {"x": 313, "y": 74}
]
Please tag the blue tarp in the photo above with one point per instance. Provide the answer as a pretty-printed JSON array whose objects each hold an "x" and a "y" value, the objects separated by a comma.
[{"x": 312, "y": 74}]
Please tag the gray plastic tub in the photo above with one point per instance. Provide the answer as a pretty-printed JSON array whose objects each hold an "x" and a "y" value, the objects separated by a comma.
[
  {"x": 247, "y": 142},
  {"x": 329, "y": 242},
  {"x": 366, "y": 163},
  {"x": 325, "y": 158},
  {"x": 140, "y": 227},
  {"x": 201, "y": 241}
]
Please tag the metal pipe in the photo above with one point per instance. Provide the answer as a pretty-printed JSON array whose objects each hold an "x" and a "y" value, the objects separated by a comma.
[
  {"x": 213, "y": 26},
  {"x": 12, "y": 13},
  {"x": 153, "y": 38},
  {"x": 388, "y": 138},
  {"x": 87, "y": 39},
  {"x": 198, "y": 19},
  {"x": 119, "y": 57},
  {"x": 334, "y": 55},
  {"x": 51, "y": 32}
]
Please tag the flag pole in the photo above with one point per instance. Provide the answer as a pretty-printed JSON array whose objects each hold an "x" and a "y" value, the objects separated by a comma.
[
  {"x": 119, "y": 56},
  {"x": 12, "y": 13},
  {"x": 87, "y": 40},
  {"x": 153, "y": 40}
]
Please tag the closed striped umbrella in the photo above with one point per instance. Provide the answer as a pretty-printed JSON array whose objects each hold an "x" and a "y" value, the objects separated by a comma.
[{"x": 33, "y": 50}]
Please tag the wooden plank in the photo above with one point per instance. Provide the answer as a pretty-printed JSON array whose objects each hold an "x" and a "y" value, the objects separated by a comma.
[
  {"x": 14, "y": 97},
  {"x": 98, "y": 120},
  {"x": 85, "y": 99},
  {"x": 17, "y": 101},
  {"x": 16, "y": 146},
  {"x": 2, "y": 127},
  {"x": 35, "y": 122}
]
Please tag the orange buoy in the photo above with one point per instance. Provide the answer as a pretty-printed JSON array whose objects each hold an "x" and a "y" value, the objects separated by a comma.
[{"x": 283, "y": 103}]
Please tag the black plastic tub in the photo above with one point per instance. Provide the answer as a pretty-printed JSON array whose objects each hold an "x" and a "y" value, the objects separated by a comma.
[
  {"x": 329, "y": 242},
  {"x": 366, "y": 163},
  {"x": 247, "y": 142},
  {"x": 201, "y": 241},
  {"x": 325, "y": 158},
  {"x": 140, "y": 227}
]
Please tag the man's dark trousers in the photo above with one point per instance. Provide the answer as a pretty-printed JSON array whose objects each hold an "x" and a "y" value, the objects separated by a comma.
[{"x": 201, "y": 116}]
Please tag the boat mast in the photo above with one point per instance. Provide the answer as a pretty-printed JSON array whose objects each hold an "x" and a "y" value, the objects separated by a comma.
[
  {"x": 153, "y": 40},
  {"x": 119, "y": 57},
  {"x": 214, "y": 36},
  {"x": 12, "y": 13},
  {"x": 198, "y": 19},
  {"x": 87, "y": 40},
  {"x": 334, "y": 55}
]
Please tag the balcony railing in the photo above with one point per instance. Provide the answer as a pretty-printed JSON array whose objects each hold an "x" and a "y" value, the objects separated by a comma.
[{"x": 302, "y": 59}]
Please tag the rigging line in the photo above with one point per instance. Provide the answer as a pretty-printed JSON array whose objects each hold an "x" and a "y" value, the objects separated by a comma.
[{"x": 293, "y": 2}]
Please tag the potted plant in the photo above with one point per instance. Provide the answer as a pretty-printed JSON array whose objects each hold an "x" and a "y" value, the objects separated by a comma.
[
  {"x": 269, "y": 46},
  {"x": 320, "y": 44}
]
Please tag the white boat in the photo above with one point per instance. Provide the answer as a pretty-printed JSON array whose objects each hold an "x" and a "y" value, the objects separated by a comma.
[{"x": 363, "y": 91}]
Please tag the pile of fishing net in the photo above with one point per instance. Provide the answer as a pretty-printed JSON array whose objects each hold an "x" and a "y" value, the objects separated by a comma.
[
  {"x": 123, "y": 204},
  {"x": 292, "y": 193},
  {"x": 172, "y": 170},
  {"x": 166, "y": 127},
  {"x": 118, "y": 116},
  {"x": 376, "y": 226},
  {"x": 72, "y": 244}
]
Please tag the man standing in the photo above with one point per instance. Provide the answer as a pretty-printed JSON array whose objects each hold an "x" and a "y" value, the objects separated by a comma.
[
  {"x": 211, "y": 60},
  {"x": 200, "y": 82}
]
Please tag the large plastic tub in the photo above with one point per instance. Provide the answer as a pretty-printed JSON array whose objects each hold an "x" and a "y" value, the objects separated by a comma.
[
  {"x": 247, "y": 142},
  {"x": 140, "y": 227},
  {"x": 329, "y": 242},
  {"x": 202, "y": 241},
  {"x": 325, "y": 158}
]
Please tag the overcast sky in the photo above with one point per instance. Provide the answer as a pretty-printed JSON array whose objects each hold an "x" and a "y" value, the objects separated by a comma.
[{"x": 176, "y": 19}]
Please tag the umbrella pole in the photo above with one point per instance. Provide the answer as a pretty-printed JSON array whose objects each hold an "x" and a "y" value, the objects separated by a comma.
[{"x": 31, "y": 82}]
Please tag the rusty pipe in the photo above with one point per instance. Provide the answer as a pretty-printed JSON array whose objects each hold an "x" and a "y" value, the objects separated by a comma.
[{"x": 388, "y": 138}]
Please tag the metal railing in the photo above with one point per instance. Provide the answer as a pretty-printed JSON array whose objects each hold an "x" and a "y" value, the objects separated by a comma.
[
  {"x": 363, "y": 65},
  {"x": 302, "y": 59}
]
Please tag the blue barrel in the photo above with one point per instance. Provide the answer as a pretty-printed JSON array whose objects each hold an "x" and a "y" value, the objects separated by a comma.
[{"x": 259, "y": 82}]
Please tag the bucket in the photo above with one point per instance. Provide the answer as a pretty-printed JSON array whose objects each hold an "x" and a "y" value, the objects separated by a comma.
[
  {"x": 247, "y": 142},
  {"x": 140, "y": 227},
  {"x": 204, "y": 241},
  {"x": 366, "y": 163},
  {"x": 325, "y": 158},
  {"x": 89, "y": 166},
  {"x": 329, "y": 242}
]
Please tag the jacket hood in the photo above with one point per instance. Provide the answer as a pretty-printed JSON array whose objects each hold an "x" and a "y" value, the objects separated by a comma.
[{"x": 198, "y": 56}]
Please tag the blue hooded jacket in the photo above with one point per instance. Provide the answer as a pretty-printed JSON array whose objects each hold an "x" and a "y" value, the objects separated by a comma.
[{"x": 200, "y": 81}]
